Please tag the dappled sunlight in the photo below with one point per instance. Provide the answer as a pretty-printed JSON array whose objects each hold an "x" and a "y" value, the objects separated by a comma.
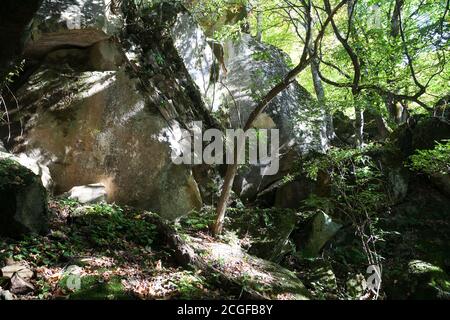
[{"x": 121, "y": 178}]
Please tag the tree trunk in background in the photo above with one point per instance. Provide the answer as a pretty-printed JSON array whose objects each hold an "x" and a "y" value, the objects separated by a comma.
[
  {"x": 259, "y": 21},
  {"x": 359, "y": 111},
  {"x": 359, "y": 125},
  {"x": 283, "y": 84},
  {"x": 15, "y": 18},
  {"x": 395, "y": 31},
  {"x": 320, "y": 93},
  {"x": 395, "y": 20}
]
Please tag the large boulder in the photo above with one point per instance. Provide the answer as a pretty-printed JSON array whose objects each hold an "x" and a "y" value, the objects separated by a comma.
[
  {"x": 417, "y": 250},
  {"x": 420, "y": 280},
  {"x": 233, "y": 77},
  {"x": 253, "y": 68},
  {"x": 442, "y": 182},
  {"x": 421, "y": 133},
  {"x": 31, "y": 163},
  {"x": 93, "y": 127},
  {"x": 196, "y": 52},
  {"x": 23, "y": 199},
  {"x": 267, "y": 279},
  {"x": 97, "y": 110}
]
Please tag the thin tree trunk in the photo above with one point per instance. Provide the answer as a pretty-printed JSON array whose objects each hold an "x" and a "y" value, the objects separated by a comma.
[
  {"x": 224, "y": 196},
  {"x": 232, "y": 168},
  {"x": 320, "y": 93},
  {"x": 395, "y": 31}
]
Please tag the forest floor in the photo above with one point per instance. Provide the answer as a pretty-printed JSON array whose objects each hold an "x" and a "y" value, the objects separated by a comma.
[
  {"x": 107, "y": 252},
  {"x": 104, "y": 251}
]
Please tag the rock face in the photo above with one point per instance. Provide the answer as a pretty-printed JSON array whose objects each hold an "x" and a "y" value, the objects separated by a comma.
[
  {"x": 88, "y": 116},
  {"x": 32, "y": 164},
  {"x": 323, "y": 229},
  {"x": 104, "y": 134},
  {"x": 253, "y": 69},
  {"x": 93, "y": 193},
  {"x": 71, "y": 23},
  {"x": 417, "y": 254},
  {"x": 234, "y": 76},
  {"x": 103, "y": 110},
  {"x": 197, "y": 55},
  {"x": 442, "y": 182},
  {"x": 23, "y": 200},
  {"x": 6, "y": 295},
  {"x": 428, "y": 281}
]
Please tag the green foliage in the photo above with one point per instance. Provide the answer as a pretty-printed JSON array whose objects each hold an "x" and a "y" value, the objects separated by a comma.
[
  {"x": 357, "y": 182},
  {"x": 108, "y": 225},
  {"x": 382, "y": 55},
  {"x": 434, "y": 161},
  {"x": 13, "y": 74},
  {"x": 197, "y": 220},
  {"x": 38, "y": 251},
  {"x": 102, "y": 225},
  {"x": 228, "y": 32},
  {"x": 262, "y": 56},
  {"x": 159, "y": 58},
  {"x": 190, "y": 285},
  {"x": 96, "y": 288},
  {"x": 70, "y": 203},
  {"x": 358, "y": 193},
  {"x": 222, "y": 19}
]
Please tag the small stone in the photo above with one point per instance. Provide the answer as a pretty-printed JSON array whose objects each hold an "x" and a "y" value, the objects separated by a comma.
[
  {"x": 20, "y": 286},
  {"x": 6, "y": 295},
  {"x": 22, "y": 271},
  {"x": 93, "y": 193},
  {"x": 23, "y": 199}
]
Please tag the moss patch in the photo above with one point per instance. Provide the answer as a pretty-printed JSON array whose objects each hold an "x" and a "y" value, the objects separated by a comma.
[{"x": 96, "y": 288}]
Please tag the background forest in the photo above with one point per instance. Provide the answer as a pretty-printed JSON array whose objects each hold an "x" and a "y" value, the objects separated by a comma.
[{"x": 95, "y": 96}]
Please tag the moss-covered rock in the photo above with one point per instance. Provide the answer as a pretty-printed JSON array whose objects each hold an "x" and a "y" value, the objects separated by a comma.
[
  {"x": 23, "y": 200},
  {"x": 323, "y": 228},
  {"x": 318, "y": 275},
  {"x": 420, "y": 280},
  {"x": 264, "y": 278}
]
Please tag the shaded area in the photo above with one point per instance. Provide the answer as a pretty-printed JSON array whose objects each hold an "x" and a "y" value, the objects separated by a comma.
[{"x": 14, "y": 30}]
